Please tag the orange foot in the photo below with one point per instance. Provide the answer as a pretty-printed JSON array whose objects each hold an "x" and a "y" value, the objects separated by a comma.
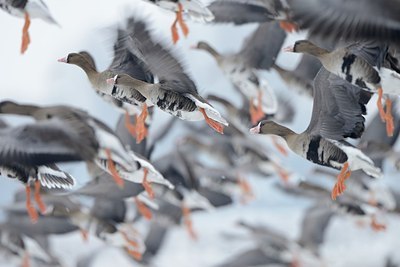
[
  {"x": 247, "y": 191},
  {"x": 174, "y": 30},
  {"x": 179, "y": 16},
  {"x": 29, "y": 207},
  {"x": 135, "y": 254},
  {"x": 111, "y": 166},
  {"x": 256, "y": 112},
  {"x": 187, "y": 220},
  {"x": 143, "y": 209},
  {"x": 131, "y": 128},
  {"x": 288, "y": 26},
  {"x": 213, "y": 124},
  {"x": 377, "y": 226},
  {"x": 25, "y": 260},
  {"x": 38, "y": 198},
  {"x": 389, "y": 118},
  {"x": 147, "y": 185},
  {"x": 278, "y": 146},
  {"x": 84, "y": 234},
  {"x": 141, "y": 129},
  {"x": 26, "y": 40},
  {"x": 283, "y": 174},
  {"x": 339, "y": 187},
  {"x": 379, "y": 104},
  {"x": 131, "y": 243}
]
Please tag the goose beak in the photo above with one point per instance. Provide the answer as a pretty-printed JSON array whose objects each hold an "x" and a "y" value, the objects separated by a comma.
[
  {"x": 63, "y": 59},
  {"x": 255, "y": 130},
  {"x": 288, "y": 49}
]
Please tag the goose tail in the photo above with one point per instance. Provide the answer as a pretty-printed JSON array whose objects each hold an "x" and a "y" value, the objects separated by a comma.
[{"x": 211, "y": 112}]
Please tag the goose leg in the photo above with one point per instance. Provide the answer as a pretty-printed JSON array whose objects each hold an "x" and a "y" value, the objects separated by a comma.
[
  {"x": 389, "y": 118},
  {"x": 84, "y": 234},
  {"x": 25, "y": 260},
  {"x": 141, "y": 130},
  {"x": 132, "y": 247},
  {"x": 131, "y": 127},
  {"x": 25, "y": 34},
  {"x": 134, "y": 254},
  {"x": 283, "y": 174},
  {"x": 29, "y": 207},
  {"x": 213, "y": 124},
  {"x": 174, "y": 30},
  {"x": 247, "y": 191},
  {"x": 339, "y": 187},
  {"x": 376, "y": 226},
  {"x": 256, "y": 112},
  {"x": 279, "y": 146},
  {"x": 146, "y": 184},
  {"x": 379, "y": 104},
  {"x": 113, "y": 170},
  {"x": 143, "y": 209},
  {"x": 38, "y": 198},
  {"x": 179, "y": 15},
  {"x": 187, "y": 220},
  {"x": 288, "y": 26}
]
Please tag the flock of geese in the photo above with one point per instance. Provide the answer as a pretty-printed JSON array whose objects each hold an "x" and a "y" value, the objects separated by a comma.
[{"x": 351, "y": 54}]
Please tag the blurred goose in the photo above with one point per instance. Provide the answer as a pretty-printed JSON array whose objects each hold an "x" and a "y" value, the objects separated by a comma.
[
  {"x": 258, "y": 52},
  {"x": 123, "y": 62},
  {"x": 354, "y": 63},
  {"x": 243, "y": 11},
  {"x": 176, "y": 93},
  {"x": 194, "y": 9},
  {"x": 337, "y": 113},
  {"x": 27, "y": 9},
  {"x": 350, "y": 20}
]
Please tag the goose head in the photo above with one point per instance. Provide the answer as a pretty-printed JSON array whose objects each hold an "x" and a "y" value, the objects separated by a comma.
[
  {"x": 270, "y": 127},
  {"x": 305, "y": 46}
]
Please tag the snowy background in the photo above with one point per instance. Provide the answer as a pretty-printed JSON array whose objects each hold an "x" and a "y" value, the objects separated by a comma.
[{"x": 37, "y": 77}]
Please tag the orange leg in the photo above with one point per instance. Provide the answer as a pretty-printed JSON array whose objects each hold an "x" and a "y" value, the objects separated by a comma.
[
  {"x": 283, "y": 174},
  {"x": 379, "y": 104},
  {"x": 188, "y": 222},
  {"x": 147, "y": 185},
  {"x": 38, "y": 198},
  {"x": 213, "y": 124},
  {"x": 389, "y": 118},
  {"x": 29, "y": 207},
  {"x": 84, "y": 234},
  {"x": 279, "y": 146},
  {"x": 25, "y": 260},
  {"x": 130, "y": 242},
  {"x": 111, "y": 166},
  {"x": 141, "y": 129},
  {"x": 131, "y": 128},
  {"x": 25, "y": 34},
  {"x": 256, "y": 112},
  {"x": 135, "y": 254},
  {"x": 288, "y": 26},
  {"x": 247, "y": 191},
  {"x": 143, "y": 209},
  {"x": 377, "y": 226},
  {"x": 174, "y": 30},
  {"x": 179, "y": 15},
  {"x": 339, "y": 187}
]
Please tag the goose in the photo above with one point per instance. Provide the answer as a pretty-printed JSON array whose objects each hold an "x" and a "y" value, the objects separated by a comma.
[
  {"x": 123, "y": 62},
  {"x": 258, "y": 52},
  {"x": 193, "y": 9},
  {"x": 337, "y": 113},
  {"x": 355, "y": 63},
  {"x": 242, "y": 11},
  {"x": 27, "y": 9},
  {"x": 175, "y": 93}
]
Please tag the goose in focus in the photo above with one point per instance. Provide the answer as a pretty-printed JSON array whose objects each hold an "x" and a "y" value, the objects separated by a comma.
[
  {"x": 257, "y": 11},
  {"x": 192, "y": 9},
  {"x": 129, "y": 100},
  {"x": 338, "y": 111},
  {"x": 259, "y": 52},
  {"x": 27, "y": 9},
  {"x": 355, "y": 63},
  {"x": 175, "y": 93}
]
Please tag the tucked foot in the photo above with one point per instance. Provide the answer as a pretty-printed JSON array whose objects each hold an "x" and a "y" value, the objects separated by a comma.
[
  {"x": 113, "y": 170},
  {"x": 25, "y": 260},
  {"x": 389, "y": 118},
  {"x": 84, "y": 234},
  {"x": 279, "y": 146},
  {"x": 256, "y": 112},
  {"x": 135, "y": 254},
  {"x": 379, "y": 104},
  {"x": 129, "y": 126},
  {"x": 179, "y": 15},
  {"x": 339, "y": 187},
  {"x": 376, "y": 226},
  {"x": 38, "y": 198},
  {"x": 143, "y": 209},
  {"x": 283, "y": 174},
  {"x": 288, "y": 26},
  {"x": 187, "y": 220},
  {"x": 26, "y": 40},
  {"x": 147, "y": 185},
  {"x": 247, "y": 191},
  {"x": 218, "y": 127},
  {"x": 29, "y": 207},
  {"x": 174, "y": 30},
  {"x": 141, "y": 129},
  {"x": 131, "y": 242}
]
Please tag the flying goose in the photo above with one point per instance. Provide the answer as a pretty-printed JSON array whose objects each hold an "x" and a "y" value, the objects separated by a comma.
[
  {"x": 27, "y": 9},
  {"x": 258, "y": 52},
  {"x": 175, "y": 93},
  {"x": 355, "y": 63},
  {"x": 338, "y": 111}
]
